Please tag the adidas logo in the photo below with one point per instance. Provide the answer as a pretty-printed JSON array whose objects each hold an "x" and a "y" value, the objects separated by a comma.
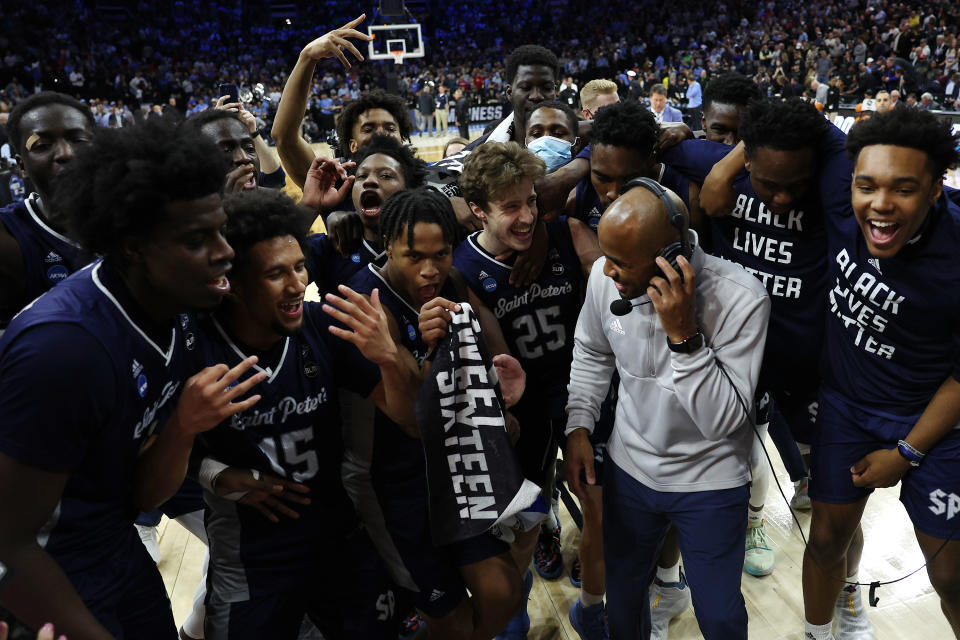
[
  {"x": 875, "y": 263},
  {"x": 435, "y": 595},
  {"x": 53, "y": 256},
  {"x": 616, "y": 326},
  {"x": 484, "y": 274},
  {"x": 136, "y": 368}
]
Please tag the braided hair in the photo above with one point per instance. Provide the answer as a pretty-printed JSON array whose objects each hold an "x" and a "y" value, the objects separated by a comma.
[{"x": 408, "y": 207}]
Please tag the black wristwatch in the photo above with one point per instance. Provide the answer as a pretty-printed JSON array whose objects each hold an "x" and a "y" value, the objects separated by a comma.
[{"x": 688, "y": 344}]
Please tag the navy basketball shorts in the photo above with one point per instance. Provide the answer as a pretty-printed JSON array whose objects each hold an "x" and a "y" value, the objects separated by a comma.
[
  {"x": 798, "y": 409},
  {"x": 346, "y": 593},
  {"x": 846, "y": 433},
  {"x": 435, "y": 569}
]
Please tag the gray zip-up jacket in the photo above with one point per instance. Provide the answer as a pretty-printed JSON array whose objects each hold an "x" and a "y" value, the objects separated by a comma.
[{"x": 681, "y": 423}]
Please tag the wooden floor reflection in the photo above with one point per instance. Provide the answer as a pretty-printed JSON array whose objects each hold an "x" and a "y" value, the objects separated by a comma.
[{"x": 907, "y": 610}]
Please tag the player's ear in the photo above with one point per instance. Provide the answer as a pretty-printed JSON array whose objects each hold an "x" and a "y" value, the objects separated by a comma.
[
  {"x": 131, "y": 250},
  {"x": 936, "y": 189},
  {"x": 353, "y": 146},
  {"x": 477, "y": 211}
]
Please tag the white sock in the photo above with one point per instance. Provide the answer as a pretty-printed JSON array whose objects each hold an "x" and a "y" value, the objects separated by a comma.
[
  {"x": 755, "y": 515},
  {"x": 817, "y": 631},
  {"x": 670, "y": 574},
  {"x": 589, "y": 599}
]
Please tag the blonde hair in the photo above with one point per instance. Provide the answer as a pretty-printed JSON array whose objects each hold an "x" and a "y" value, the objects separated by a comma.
[
  {"x": 593, "y": 89},
  {"x": 494, "y": 167}
]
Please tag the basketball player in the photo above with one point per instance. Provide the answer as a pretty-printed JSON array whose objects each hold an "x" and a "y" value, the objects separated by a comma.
[
  {"x": 536, "y": 320},
  {"x": 263, "y": 573},
  {"x": 890, "y": 401},
  {"x": 373, "y": 112},
  {"x": 46, "y": 130},
  {"x": 224, "y": 129},
  {"x": 385, "y": 167},
  {"x": 796, "y": 165},
  {"x": 112, "y": 346},
  {"x": 419, "y": 230}
]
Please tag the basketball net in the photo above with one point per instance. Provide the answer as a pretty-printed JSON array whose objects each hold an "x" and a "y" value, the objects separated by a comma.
[{"x": 397, "y": 56}]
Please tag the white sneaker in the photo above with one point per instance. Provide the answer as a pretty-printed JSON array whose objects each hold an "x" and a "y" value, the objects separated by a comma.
[
  {"x": 801, "y": 498},
  {"x": 758, "y": 559},
  {"x": 852, "y": 620},
  {"x": 151, "y": 540},
  {"x": 667, "y": 601}
]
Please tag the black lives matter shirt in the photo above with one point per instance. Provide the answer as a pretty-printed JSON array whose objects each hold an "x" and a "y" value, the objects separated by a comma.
[
  {"x": 787, "y": 252},
  {"x": 893, "y": 325}
]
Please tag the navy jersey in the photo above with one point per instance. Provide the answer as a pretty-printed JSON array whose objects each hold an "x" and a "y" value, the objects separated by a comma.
[
  {"x": 787, "y": 252},
  {"x": 48, "y": 256},
  {"x": 83, "y": 388},
  {"x": 294, "y": 432},
  {"x": 395, "y": 456},
  {"x": 329, "y": 269},
  {"x": 538, "y": 321},
  {"x": 893, "y": 325}
]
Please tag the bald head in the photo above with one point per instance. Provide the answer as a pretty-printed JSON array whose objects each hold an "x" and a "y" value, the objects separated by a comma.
[{"x": 632, "y": 233}]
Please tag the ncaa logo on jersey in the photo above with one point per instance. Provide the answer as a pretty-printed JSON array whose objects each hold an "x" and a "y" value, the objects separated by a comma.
[
  {"x": 56, "y": 273},
  {"x": 189, "y": 340},
  {"x": 310, "y": 368},
  {"x": 489, "y": 285},
  {"x": 355, "y": 258},
  {"x": 142, "y": 385},
  {"x": 411, "y": 332},
  {"x": 557, "y": 269}
]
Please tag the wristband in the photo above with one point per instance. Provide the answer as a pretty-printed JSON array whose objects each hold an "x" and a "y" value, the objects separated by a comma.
[
  {"x": 910, "y": 454},
  {"x": 210, "y": 469},
  {"x": 256, "y": 133}
]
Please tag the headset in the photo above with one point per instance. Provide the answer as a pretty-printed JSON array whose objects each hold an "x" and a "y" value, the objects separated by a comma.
[{"x": 674, "y": 250}]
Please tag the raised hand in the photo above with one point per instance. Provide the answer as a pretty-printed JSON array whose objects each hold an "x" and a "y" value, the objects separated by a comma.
[
  {"x": 675, "y": 299},
  {"x": 367, "y": 322},
  {"x": 333, "y": 43},
  {"x": 319, "y": 189},
  {"x": 208, "y": 397}
]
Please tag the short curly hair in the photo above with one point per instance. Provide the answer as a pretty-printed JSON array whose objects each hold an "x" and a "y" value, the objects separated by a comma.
[
  {"x": 413, "y": 168},
  {"x": 912, "y": 128},
  {"x": 786, "y": 125},
  {"x": 731, "y": 88},
  {"x": 199, "y": 120},
  {"x": 261, "y": 214},
  {"x": 626, "y": 124},
  {"x": 494, "y": 167},
  {"x": 404, "y": 209},
  {"x": 120, "y": 185},
  {"x": 375, "y": 99},
  {"x": 36, "y": 101},
  {"x": 531, "y": 54}
]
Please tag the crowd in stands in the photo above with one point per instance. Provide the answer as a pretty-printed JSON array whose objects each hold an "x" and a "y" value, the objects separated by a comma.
[{"x": 125, "y": 68}]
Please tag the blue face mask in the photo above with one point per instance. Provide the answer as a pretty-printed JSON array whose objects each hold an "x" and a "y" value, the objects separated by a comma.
[{"x": 554, "y": 151}]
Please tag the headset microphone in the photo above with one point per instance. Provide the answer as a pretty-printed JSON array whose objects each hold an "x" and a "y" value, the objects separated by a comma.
[{"x": 621, "y": 306}]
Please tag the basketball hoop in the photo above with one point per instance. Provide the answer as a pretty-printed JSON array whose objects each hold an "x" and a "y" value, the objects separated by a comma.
[{"x": 397, "y": 56}]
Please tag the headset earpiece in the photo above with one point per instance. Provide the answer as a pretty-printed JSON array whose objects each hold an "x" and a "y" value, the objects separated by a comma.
[{"x": 674, "y": 250}]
